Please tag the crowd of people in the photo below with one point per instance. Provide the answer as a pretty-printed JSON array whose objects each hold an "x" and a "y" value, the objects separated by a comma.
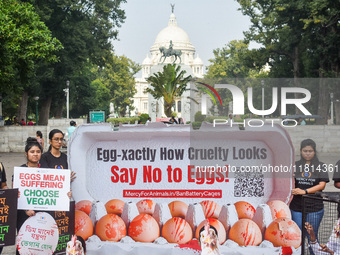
[{"x": 14, "y": 121}]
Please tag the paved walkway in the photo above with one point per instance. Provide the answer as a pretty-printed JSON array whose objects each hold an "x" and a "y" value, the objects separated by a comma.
[{"x": 16, "y": 159}]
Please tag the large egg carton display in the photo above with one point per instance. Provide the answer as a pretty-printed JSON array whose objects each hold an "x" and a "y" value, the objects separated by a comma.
[{"x": 163, "y": 164}]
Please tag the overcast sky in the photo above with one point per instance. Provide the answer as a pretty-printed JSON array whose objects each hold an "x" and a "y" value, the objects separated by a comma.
[{"x": 210, "y": 24}]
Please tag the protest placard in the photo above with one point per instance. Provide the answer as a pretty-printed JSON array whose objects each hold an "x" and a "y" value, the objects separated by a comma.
[
  {"x": 39, "y": 235},
  {"x": 8, "y": 216},
  {"x": 65, "y": 223},
  {"x": 42, "y": 189}
]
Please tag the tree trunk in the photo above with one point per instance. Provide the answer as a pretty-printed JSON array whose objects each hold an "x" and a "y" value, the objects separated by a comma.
[
  {"x": 323, "y": 103},
  {"x": 167, "y": 109},
  {"x": 59, "y": 112},
  {"x": 296, "y": 72},
  {"x": 45, "y": 111},
  {"x": 22, "y": 107}
]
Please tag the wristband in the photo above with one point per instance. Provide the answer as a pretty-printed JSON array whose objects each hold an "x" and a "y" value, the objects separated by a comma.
[{"x": 306, "y": 191}]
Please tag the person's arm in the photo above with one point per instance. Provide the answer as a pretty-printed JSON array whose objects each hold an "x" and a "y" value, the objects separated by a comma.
[
  {"x": 316, "y": 247},
  {"x": 3, "y": 177},
  {"x": 4, "y": 185},
  {"x": 325, "y": 249},
  {"x": 311, "y": 190},
  {"x": 310, "y": 231}
]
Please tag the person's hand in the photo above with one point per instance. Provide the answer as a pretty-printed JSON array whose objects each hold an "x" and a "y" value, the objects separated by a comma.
[
  {"x": 18, "y": 193},
  {"x": 326, "y": 249},
  {"x": 298, "y": 191},
  {"x": 309, "y": 228},
  {"x": 73, "y": 176},
  {"x": 30, "y": 213},
  {"x": 69, "y": 194},
  {"x": 310, "y": 231}
]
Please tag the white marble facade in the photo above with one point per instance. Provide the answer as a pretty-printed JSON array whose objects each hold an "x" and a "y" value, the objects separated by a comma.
[{"x": 190, "y": 61}]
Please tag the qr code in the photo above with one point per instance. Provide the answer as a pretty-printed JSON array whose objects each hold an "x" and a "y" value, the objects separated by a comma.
[{"x": 249, "y": 186}]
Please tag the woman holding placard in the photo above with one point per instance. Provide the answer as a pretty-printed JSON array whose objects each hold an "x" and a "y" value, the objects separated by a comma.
[
  {"x": 33, "y": 154},
  {"x": 33, "y": 151}
]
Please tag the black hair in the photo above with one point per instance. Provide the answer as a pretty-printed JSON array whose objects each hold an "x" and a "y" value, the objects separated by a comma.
[
  {"x": 309, "y": 142},
  {"x": 82, "y": 243},
  {"x": 39, "y": 134},
  {"x": 53, "y": 132},
  {"x": 72, "y": 123},
  {"x": 30, "y": 142}
]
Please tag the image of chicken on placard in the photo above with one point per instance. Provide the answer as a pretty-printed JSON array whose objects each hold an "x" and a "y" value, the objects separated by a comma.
[
  {"x": 75, "y": 246},
  {"x": 38, "y": 235}
]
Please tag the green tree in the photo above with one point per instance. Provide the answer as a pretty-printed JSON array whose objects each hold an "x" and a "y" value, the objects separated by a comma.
[
  {"x": 86, "y": 30},
  {"x": 168, "y": 85},
  {"x": 300, "y": 37},
  {"x": 231, "y": 64},
  {"x": 24, "y": 40},
  {"x": 116, "y": 83},
  {"x": 276, "y": 24},
  {"x": 323, "y": 56},
  {"x": 235, "y": 61}
]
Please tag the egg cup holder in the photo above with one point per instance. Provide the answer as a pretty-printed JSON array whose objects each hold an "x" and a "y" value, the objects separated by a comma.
[
  {"x": 195, "y": 215},
  {"x": 95, "y": 155}
]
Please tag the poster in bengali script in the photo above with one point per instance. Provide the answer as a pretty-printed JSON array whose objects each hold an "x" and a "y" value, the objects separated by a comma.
[
  {"x": 38, "y": 235},
  {"x": 65, "y": 223},
  {"x": 8, "y": 216}
]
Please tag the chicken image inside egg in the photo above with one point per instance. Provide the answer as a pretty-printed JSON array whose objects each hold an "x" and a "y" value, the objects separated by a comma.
[
  {"x": 75, "y": 247},
  {"x": 208, "y": 238}
]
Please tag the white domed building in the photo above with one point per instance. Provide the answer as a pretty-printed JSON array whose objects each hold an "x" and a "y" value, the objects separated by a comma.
[{"x": 190, "y": 62}]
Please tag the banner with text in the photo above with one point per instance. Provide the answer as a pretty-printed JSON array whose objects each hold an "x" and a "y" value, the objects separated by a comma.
[
  {"x": 8, "y": 216},
  {"x": 38, "y": 235},
  {"x": 42, "y": 189}
]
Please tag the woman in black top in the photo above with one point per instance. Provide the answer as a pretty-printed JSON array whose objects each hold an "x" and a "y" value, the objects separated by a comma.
[
  {"x": 310, "y": 176},
  {"x": 33, "y": 151},
  {"x": 33, "y": 154},
  {"x": 54, "y": 158}
]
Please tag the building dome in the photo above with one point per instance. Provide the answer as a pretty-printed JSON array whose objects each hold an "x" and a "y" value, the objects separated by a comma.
[
  {"x": 147, "y": 60},
  {"x": 172, "y": 32},
  {"x": 177, "y": 35},
  {"x": 198, "y": 61}
]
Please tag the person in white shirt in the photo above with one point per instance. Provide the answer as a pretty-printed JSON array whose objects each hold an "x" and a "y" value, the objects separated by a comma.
[{"x": 333, "y": 244}]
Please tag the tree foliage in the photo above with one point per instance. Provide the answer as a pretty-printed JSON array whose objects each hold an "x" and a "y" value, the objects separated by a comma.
[
  {"x": 24, "y": 39},
  {"x": 169, "y": 85},
  {"x": 232, "y": 64},
  {"x": 86, "y": 30},
  {"x": 116, "y": 83},
  {"x": 299, "y": 38},
  {"x": 235, "y": 60}
]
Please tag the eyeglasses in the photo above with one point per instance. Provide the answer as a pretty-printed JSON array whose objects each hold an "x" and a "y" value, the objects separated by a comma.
[{"x": 58, "y": 139}]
